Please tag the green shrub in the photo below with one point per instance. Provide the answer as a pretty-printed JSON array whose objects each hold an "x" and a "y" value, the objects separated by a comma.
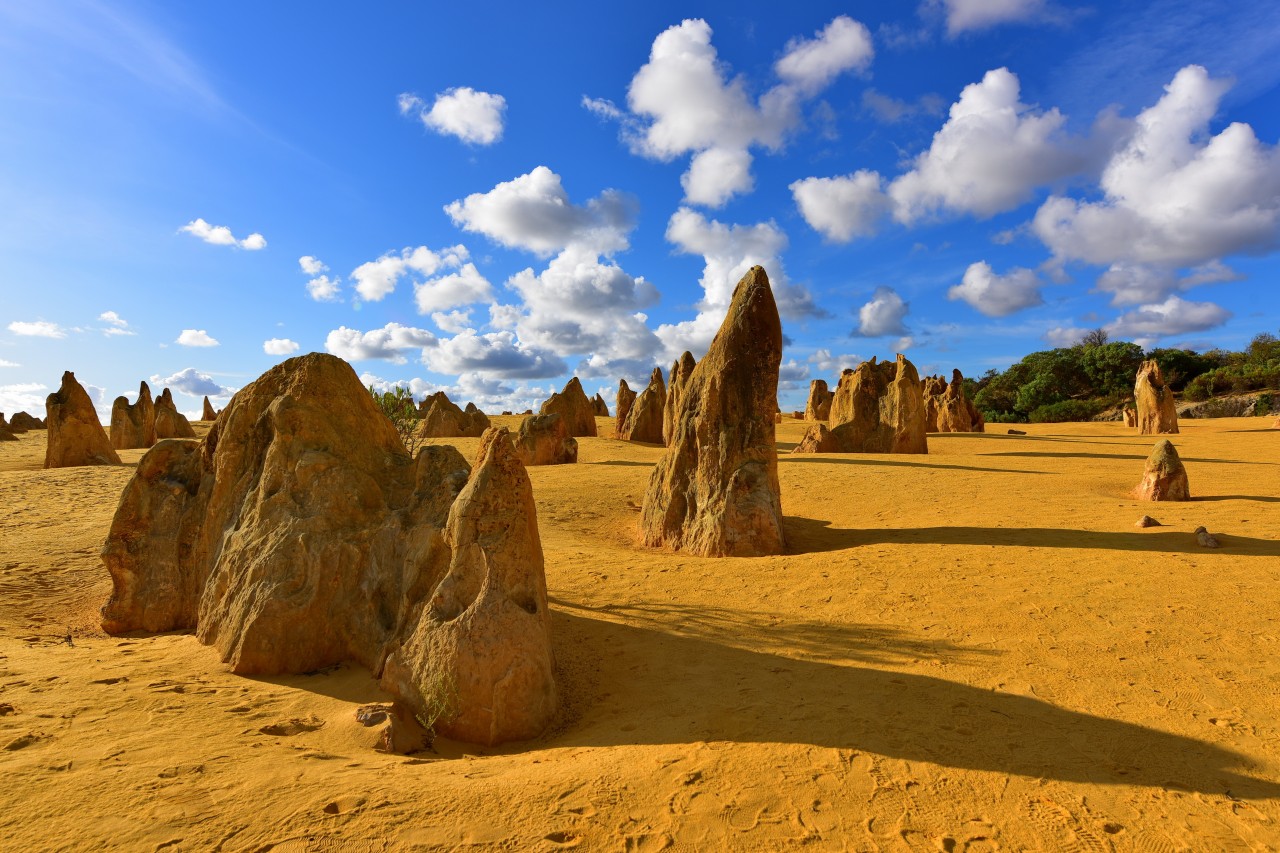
[
  {"x": 397, "y": 404},
  {"x": 1066, "y": 410}
]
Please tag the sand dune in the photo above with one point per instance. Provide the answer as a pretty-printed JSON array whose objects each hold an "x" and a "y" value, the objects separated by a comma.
[{"x": 970, "y": 650}]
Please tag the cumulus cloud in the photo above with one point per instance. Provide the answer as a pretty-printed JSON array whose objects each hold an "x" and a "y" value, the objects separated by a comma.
[
  {"x": 311, "y": 265},
  {"x": 220, "y": 235},
  {"x": 998, "y": 295},
  {"x": 37, "y": 329},
  {"x": 1174, "y": 316},
  {"x": 495, "y": 354},
  {"x": 388, "y": 343},
  {"x": 7, "y": 363},
  {"x": 533, "y": 212},
  {"x": 844, "y": 207},
  {"x": 882, "y": 315},
  {"x": 375, "y": 279},
  {"x": 453, "y": 321},
  {"x": 23, "y": 397},
  {"x": 1065, "y": 336},
  {"x": 116, "y": 325},
  {"x": 717, "y": 174},
  {"x": 193, "y": 382},
  {"x": 825, "y": 362},
  {"x": 472, "y": 116},
  {"x": 971, "y": 15},
  {"x": 463, "y": 287},
  {"x": 810, "y": 64},
  {"x": 196, "y": 338},
  {"x": 1173, "y": 195},
  {"x": 279, "y": 346},
  {"x": 321, "y": 287}
]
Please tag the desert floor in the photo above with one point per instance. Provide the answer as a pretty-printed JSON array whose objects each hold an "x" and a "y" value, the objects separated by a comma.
[{"x": 970, "y": 650}]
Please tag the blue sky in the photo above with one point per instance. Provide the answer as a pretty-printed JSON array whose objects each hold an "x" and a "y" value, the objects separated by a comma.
[{"x": 488, "y": 202}]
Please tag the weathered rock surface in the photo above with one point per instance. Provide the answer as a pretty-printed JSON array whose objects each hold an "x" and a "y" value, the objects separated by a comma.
[
  {"x": 1205, "y": 539},
  {"x": 818, "y": 407},
  {"x": 955, "y": 411},
  {"x": 600, "y": 406},
  {"x": 645, "y": 417},
  {"x": 299, "y": 534},
  {"x": 170, "y": 423},
  {"x": 573, "y": 405},
  {"x": 133, "y": 426},
  {"x": 209, "y": 414},
  {"x": 441, "y": 418},
  {"x": 23, "y": 421},
  {"x": 6, "y": 431},
  {"x": 11, "y": 427},
  {"x": 1165, "y": 478},
  {"x": 1146, "y": 521},
  {"x": 878, "y": 408},
  {"x": 626, "y": 399},
  {"x": 545, "y": 440},
  {"x": 76, "y": 436},
  {"x": 934, "y": 388},
  {"x": 715, "y": 491},
  {"x": 1131, "y": 417},
  {"x": 1157, "y": 410},
  {"x": 681, "y": 370},
  {"x": 1232, "y": 406}
]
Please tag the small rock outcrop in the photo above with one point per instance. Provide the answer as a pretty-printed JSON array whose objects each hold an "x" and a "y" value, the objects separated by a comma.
[
  {"x": 818, "y": 407},
  {"x": 934, "y": 388},
  {"x": 208, "y": 414},
  {"x": 573, "y": 405},
  {"x": 6, "y": 431},
  {"x": 76, "y": 436},
  {"x": 23, "y": 421},
  {"x": 1146, "y": 521},
  {"x": 1205, "y": 539},
  {"x": 299, "y": 534},
  {"x": 441, "y": 418},
  {"x": 878, "y": 408},
  {"x": 133, "y": 426},
  {"x": 1130, "y": 417},
  {"x": 681, "y": 370},
  {"x": 600, "y": 406},
  {"x": 715, "y": 491},
  {"x": 1157, "y": 410},
  {"x": 645, "y": 417},
  {"x": 1165, "y": 478},
  {"x": 955, "y": 411},
  {"x": 170, "y": 423},
  {"x": 545, "y": 440},
  {"x": 626, "y": 399}
]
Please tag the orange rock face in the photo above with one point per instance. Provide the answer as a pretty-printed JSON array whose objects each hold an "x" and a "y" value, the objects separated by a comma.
[
  {"x": 573, "y": 405},
  {"x": 170, "y": 423},
  {"x": 1131, "y": 417},
  {"x": 878, "y": 408},
  {"x": 1165, "y": 477},
  {"x": 818, "y": 407},
  {"x": 715, "y": 491},
  {"x": 76, "y": 436},
  {"x": 681, "y": 370},
  {"x": 955, "y": 412},
  {"x": 23, "y": 421},
  {"x": 441, "y": 418},
  {"x": 600, "y": 406},
  {"x": 645, "y": 417},
  {"x": 209, "y": 414},
  {"x": 1157, "y": 410},
  {"x": 626, "y": 399},
  {"x": 545, "y": 440},
  {"x": 133, "y": 426}
]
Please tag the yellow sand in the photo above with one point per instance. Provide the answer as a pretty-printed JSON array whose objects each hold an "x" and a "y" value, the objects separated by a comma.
[{"x": 973, "y": 650}]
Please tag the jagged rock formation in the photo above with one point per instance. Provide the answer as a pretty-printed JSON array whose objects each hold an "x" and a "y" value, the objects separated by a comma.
[
  {"x": 76, "y": 436},
  {"x": 1157, "y": 410},
  {"x": 23, "y": 421},
  {"x": 645, "y": 417},
  {"x": 299, "y": 534},
  {"x": 681, "y": 370},
  {"x": 715, "y": 490},
  {"x": 545, "y": 440},
  {"x": 170, "y": 423},
  {"x": 955, "y": 411},
  {"x": 7, "y": 432},
  {"x": 1130, "y": 417},
  {"x": 1164, "y": 478},
  {"x": 209, "y": 414},
  {"x": 133, "y": 426},
  {"x": 878, "y": 408},
  {"x": 572, "y": 405},
  {"x": 600, "y": 406},
  {"x": 626, "y": 399},
  {"x": 818, "y": 407},
  {"x": 441, "y": 418},
  {"x": 934, "y": 388}
]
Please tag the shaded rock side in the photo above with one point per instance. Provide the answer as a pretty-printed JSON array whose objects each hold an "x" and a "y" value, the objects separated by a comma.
[
  {"x": 645, "y": 417},
  {"x": 715, "y": 490},
  {"x": 681, "y": 370},
  {"x": 76, "y": 436},
  {"x": 1131, "y": 417},
  {"x": 133, "y": 426},
  {"x": 23, "y": 421},
  {"x": 626, "y": 399},
  {"x": 573, "y": 405},
  {"x": 818, "y": 406},
  {"x": 1165, "y": 477},
  {"x": 955, "y": 412},
  {"x": 600, "y": 406},
  {"x": 878, "y": 408},
  {"x": 442, "y": 418},
  {"x": 170, "y": 423},
  {"x": 545, "y": 440},
  {"x": 478, "y": 655},
  {"x": 208, "y": 414},
  {"x": 6, "y": 431},
  {"x": 12, "y": 428},
  {"x": 1157, "y": 410}
]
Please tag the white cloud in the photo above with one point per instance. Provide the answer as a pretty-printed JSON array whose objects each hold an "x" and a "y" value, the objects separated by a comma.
[
  {"x": 463, "y": 287},
  {"x": 117, "y": 325},
  {"x": 1065, "y": 336},
  {"x": 37, "y": 329},
  {"x": 196, "y": 338},
  {"x": 827, "y": 363},
  {"x": 193, "y": 382},
  {"x": 967, "y": 15},
  {"x": 883, "y": 314},
  {"x": 533, "y": 212},
  {"x": 375, "y": 279},
  {"x": 842, "y": 208},
  {"x": 452, "y": 322},
  {"x": 717, "y": 174},
  {"x": 279, "y": 346},
  {"x": 843, "y": 45},
  {"x": 472, "y": 116},
  {"x": 324, "y": 288},
  {"x": 387, "y": 343},
  {"x": 311, "y": 265},
  {"x": 1173, "y": 195},
  {"x": 792, "y": 374},
  {"x": 7, "y": 363},
  {"x": 23, "y": 397},
  {"x": 496, "y": 354},
  {"x": 1174, "y": 316},
  {"x": 220, "y": 235},
  {"x": 998, "y": 295}
]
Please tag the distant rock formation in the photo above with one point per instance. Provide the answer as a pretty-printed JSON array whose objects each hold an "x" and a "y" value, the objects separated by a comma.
[
  {"x": 23, "y": 421},
  {"x": 441, "y": 418},
  {"x": 545, "y": 440},
  {"x": 133, "y": 426},
  {"x": 600, "y": 406},
  {"x": 878, "y": 408},
  {"x": 954, "y": 411},
  {"x": 644, "y": 418},
  {"x": 1164, "y": 478},
  {"x": 1157, "y": 410},
  {"x": 715, "y": 491},
  {"x": 7, "y": 432},
  {"x": 170, "y": 423},
  {"x": 299, "y": 534},
  {"x": 1130, "y": 417},
  {"x": 209, "y": 414},
  {"x": 626, "y": 399},
  {"x": 76, "y": 436},
  {"x": 573, "y": 405},
  {"x": 681, "y": 370},
  {"x": 818, "y": 407}
]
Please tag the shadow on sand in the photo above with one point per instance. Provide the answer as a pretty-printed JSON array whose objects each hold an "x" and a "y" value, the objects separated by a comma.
[
  {"x": 1045, "y": 453},
  {"x": 878, "y": 459},
  {"x": 755, "y": 695}
]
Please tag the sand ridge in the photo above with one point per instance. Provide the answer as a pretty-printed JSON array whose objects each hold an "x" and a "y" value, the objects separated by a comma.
[{"x": 970, "y": 650}]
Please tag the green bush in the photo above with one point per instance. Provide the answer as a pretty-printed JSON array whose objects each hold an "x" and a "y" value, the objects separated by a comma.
[
  {"x": 397, "y": 404},
  {"x": 1067, "y": 410},
  {"x": 1003, "y": 418}
]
